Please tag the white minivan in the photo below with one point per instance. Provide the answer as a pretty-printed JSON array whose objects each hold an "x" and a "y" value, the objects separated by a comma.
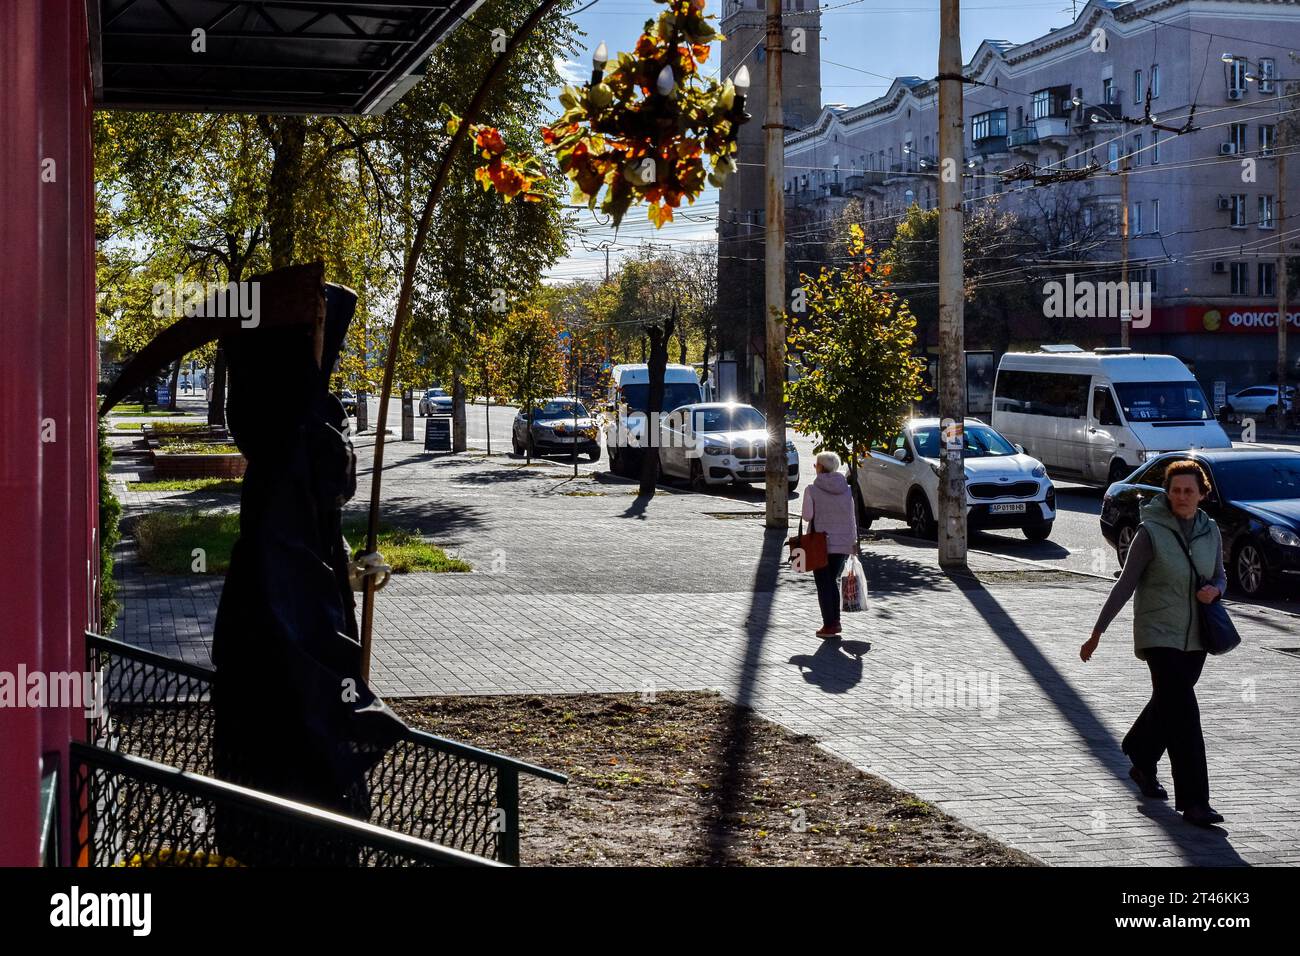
[
  {"x": 626, "y": 436},
  {"x": 1093, "y": 417}
]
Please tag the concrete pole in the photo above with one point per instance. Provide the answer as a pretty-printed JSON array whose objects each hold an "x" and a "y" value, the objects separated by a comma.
[
  {"x": 777, "y": 484},
  {"x": 1126, "y": 317},
  {"x": 952, "y": 346},
  {"x": 1280, "y": 278}
]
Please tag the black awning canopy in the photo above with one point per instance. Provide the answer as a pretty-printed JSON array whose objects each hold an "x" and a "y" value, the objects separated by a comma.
[{"x": 264, "y": 56}]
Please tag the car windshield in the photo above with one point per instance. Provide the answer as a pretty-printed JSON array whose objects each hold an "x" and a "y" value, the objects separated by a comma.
[
  {"x": 561, "y": 410},
  {"x": 734, "y": 419},
  {"x": 676, "y": 394},
  {"x": 435, "y": 393},
  {"x": 981, "y": 442},
  {"x": 1259, "y": 479},
  {"x": 1163, "y": 401}
]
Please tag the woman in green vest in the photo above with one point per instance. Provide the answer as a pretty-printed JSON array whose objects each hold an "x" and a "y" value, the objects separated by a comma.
[{"x": 1176, "y": 546}]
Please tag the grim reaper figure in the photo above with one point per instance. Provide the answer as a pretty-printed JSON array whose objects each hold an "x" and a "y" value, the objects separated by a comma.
[{"x": 292, "y": 714}]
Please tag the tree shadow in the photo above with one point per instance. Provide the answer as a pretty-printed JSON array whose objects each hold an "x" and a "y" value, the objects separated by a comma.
[
  {"x": 732, "y": 761},
  {"x": 1099, "y": 741}
]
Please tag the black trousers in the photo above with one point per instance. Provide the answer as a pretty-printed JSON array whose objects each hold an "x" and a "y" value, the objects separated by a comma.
[
  {"x": 1171, "y": 721},
  {"x": 828, "y": 588}
]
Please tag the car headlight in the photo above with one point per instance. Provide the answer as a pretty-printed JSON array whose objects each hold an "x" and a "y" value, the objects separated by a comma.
[
  {"x": 1284, "y": 536},
  {"x": 1142, "y": 455},
  {"x": 1040, "y": 471},
  {"x": 715, "y": 450}
]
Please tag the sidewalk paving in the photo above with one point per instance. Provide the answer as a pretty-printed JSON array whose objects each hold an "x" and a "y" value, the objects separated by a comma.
[{"x": 600, "y": 592}]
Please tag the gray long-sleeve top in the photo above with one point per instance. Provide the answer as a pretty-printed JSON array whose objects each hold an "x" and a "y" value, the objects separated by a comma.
[{"x": 1139, "y": 556}]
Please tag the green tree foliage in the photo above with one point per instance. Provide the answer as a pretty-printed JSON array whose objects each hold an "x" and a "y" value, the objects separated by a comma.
[
  {"x": 110, "y": 509},
  {"x": 535, "y": 369},
  {"x": 853, "y": 350}
]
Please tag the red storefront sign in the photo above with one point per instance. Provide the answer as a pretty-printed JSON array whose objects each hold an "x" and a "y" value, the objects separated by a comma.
[{"x": 1219, "y": 318}]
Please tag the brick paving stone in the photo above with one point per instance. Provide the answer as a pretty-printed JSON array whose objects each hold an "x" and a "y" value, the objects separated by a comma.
[{"x": 586, "y": 594}]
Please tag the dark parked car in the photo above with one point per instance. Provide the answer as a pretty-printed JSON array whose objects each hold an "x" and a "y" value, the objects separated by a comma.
[
  {"x": 555, "y": 431},
  {"x": 349, "y": 400},
  {"x": 1255, "y": 499}
]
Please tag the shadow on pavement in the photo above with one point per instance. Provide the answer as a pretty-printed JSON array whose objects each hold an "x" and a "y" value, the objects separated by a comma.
[
  {"x": 1197, "y": 846},
  {"x": 733, "y": 761},
  {"x": 835, "y": 667}
]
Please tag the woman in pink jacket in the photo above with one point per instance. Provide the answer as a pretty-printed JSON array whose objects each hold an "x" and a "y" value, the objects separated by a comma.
[{"x": 828, "y": 505}]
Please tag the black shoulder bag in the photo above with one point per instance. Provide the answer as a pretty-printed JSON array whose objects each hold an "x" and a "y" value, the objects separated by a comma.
[{"x": 1218, "y": 633}]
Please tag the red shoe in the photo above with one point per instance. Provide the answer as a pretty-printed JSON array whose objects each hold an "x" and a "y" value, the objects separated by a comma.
[{"x": 826, "y": 632}]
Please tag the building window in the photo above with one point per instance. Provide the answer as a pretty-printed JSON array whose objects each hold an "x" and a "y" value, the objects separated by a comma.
[
  {"x": 1266, "y": 212},
  {"x": 1135, "y": 220},
  {"x": 1155, "y": 215},
  {"x": 1112, "y": 220},
  {"x": 1237, "y": 73},
  {"x": 1240, "y": 278},
  {"x": 1137, "y": 150},
  {"x": 1153, "y": 277},
  {"x": 1138, "y": 91},
  {"x": 1155, "y": 148},
  {"x": 1155, "y": 80},
  {"x": 1238, "y": 211},
  {"x": 1267, "y": 137},
  {"x": 1267, "y": 73},
  {"x": 1265, "y": 276},
  {"x": 1041, "y": 104},
  {"x": 1087, "y": 217},
  {"x": 1112, "y": 156},
  {"x": 1237, "y": 137},
  {"x": 1108, "y": 90},
  {"x": 988, "y": 125}
]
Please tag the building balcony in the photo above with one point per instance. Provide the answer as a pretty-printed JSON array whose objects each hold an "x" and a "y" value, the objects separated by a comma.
[
  {"x": 1025, "y": 136},
  {"x": 990, "y": 146},
  {"x": 1052, "y": 127}
]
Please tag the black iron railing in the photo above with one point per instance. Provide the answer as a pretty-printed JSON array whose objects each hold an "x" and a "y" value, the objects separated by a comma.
[
  {"x": 128, "y": 811},
  {"x": 425, "y": 786}
]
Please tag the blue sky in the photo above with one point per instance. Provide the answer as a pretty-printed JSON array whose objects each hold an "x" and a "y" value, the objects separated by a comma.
[{"x": 865, "y": 43}]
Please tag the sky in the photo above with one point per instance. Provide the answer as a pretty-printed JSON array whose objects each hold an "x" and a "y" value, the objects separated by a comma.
[{"x": 865, "y": 44}]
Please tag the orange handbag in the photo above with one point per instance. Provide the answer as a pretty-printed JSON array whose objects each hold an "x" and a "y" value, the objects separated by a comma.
[{"x": 808, "y": 551}]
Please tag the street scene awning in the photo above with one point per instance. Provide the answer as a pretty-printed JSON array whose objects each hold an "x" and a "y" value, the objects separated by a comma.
[{"x": 276, "y": 56}]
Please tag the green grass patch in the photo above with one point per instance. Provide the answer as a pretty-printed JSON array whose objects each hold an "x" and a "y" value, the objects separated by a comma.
[
  {"x": 179, "y": 446},
  {"x": 188, "y": 484},
  {"x": 175, "y": 428},
  {"x": 137, "y": 409},
  {"x": 128, "y": 426},
  {"x": 167, "y": 540}
]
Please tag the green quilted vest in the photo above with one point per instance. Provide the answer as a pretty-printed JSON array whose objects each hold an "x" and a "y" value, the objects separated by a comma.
[{"x": 1164, "y": 612}]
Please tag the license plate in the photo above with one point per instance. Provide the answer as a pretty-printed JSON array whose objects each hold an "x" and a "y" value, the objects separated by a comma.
[{"x": 1011, "y": 509}]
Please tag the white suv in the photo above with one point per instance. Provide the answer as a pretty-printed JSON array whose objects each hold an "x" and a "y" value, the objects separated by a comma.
[
  {"x": 1005, "y": 488},
  {"x": 717, "y": 443}
]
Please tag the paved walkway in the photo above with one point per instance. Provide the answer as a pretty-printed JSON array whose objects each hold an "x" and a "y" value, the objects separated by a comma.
[{"x": 967, "y": 691}]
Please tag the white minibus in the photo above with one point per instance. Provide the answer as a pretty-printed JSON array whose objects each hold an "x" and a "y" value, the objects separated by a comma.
[{"x": 1093, "y": 417}]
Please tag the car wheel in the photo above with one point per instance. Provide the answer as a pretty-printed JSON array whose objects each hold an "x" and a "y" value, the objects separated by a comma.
[
  {"x": 1038, "y": 532},
  {"x": 1248, "y": 570},
  {"x": 514, "y": 444},
  {"x": 698, "y": 484},
  {"x": 864, "y": 519},
  {"x": 919, "y": 517},
  {"x": 1124, "y": 535},
  {"x": 794, "y": 485},
  {"x": 1118, "y": 472},
  {"x": 594, "y": 454},
  {"x": 1270, "y": 411}
]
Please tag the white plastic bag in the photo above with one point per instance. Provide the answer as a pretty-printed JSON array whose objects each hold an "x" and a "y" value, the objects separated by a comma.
[{"x": 853, "y": 586}]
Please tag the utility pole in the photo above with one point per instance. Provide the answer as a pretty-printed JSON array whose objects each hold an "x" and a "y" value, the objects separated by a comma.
[
  {"x": 1126, "y": 316},
  {"x": 777, "y": 484},
  {"x": 1280, "y": 277},
  {"x": 952, "y": 345}
]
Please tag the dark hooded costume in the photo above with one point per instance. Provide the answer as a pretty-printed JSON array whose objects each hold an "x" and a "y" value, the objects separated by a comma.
[{"x": 292, "y": 714}]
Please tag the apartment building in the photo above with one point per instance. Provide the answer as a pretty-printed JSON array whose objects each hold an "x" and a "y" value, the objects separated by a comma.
[{"x": 1184, "y": 102}]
